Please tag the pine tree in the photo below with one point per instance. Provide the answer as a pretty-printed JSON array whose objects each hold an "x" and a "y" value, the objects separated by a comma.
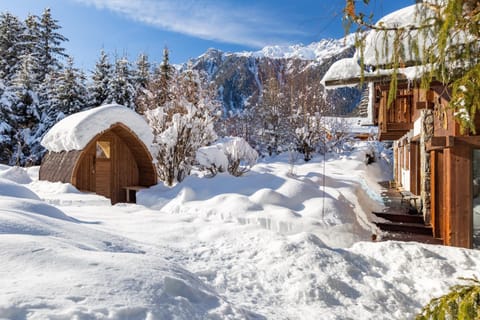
[
  {"x": 164, "y": 76},
  {"x": 98, "y": 90},
  {"x": 6, "y": 130},
  {"x": 10, "y": 46},
  {"x": 121, "y": 89},
  {"x": 141, "y": 75},
  {"x": 31, "y": 42},
  {"x": 70, "y": 93},
  {"x": 159, "y": 90},
  {"x": 24, "y": 113},
  {"x": 50, "y": 50},
  {"x": 141, "y": 80}
]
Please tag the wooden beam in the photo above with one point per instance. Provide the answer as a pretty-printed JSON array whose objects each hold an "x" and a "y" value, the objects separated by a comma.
[
  {"x": 395, "y": 126},
  {"x": 390, "y": 136},
  {"x": 367, "y": 78},
  {"x": 437, "y": 142},
  {"x": 473, "y": 141},
  {"x": 424, "y": 105}
]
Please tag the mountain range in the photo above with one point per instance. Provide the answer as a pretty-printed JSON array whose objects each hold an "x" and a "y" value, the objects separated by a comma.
[{"x": 240, "y": 77}]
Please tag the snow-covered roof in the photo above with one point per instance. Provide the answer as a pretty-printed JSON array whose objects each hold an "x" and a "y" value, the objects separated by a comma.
[
  {"x": 348, "y": 69},
  {"x": 379, "y": 44},
  {"x": 342, "y": 69},
  {"x": 77, "y": 130},
  {"x": 378, "y": 49}
]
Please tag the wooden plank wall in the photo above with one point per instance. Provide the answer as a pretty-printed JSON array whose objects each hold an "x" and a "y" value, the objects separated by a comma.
[
  {"x": 84, "y": 178},
  {"x": 124, "y": 168},
  {"x": 415, "y": 168},
  {"x": 437, "y": 194},
  {"x": 59, "y": 166},
  {"x": 458, "y": 195}
]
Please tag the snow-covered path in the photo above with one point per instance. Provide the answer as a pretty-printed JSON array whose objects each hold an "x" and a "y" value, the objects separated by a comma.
[{"x": 269, "y": 245}]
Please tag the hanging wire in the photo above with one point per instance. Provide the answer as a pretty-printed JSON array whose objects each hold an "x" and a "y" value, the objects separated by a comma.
[{"x": 324, "y": 162}]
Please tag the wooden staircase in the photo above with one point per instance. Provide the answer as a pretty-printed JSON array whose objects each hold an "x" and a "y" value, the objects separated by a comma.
[
  {"x": 400, "y": 219},
  {"x": 405, "y": 227}
]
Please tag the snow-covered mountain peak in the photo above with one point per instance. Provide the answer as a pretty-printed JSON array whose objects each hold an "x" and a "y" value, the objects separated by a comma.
[{"x": 316, "y": 51}]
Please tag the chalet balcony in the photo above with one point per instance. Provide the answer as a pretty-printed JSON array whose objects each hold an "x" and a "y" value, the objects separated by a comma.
[{"x": 394, "y": 131}]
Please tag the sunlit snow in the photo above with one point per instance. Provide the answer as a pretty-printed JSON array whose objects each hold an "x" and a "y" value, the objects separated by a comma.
[{"x": 284, "y": 241}]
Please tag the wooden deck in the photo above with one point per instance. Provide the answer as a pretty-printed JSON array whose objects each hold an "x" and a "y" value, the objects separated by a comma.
[{"x": 401, "y": 219}]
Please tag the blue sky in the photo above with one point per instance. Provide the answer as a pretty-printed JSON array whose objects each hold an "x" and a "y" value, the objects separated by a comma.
[{"x": 189, "y": 27}]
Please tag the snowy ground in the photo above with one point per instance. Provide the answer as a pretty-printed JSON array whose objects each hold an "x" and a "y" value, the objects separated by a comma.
[{"x": 268, "y": 245}]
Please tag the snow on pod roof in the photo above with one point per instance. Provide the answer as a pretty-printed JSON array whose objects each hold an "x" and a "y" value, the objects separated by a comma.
[{"x": 77, "y": 130}]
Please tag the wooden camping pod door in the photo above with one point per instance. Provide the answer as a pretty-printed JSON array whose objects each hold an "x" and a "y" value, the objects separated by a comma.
[
  {"x": 109, "y": 165},
  {"x": 103, "y": 168}
]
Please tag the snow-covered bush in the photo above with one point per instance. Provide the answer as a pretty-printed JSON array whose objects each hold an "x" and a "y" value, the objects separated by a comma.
[
  {"x": 212, "y": 158},
  {"x": 181, "y": 110},
  {"x": 337, "y": 137},
  {"x": 231, "y": 153},
  {"x": 307, "y": 134},
  {"x": 177, "y": 140}
]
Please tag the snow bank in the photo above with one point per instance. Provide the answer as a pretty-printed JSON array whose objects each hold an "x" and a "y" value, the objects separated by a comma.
[
  {"x": 77, "y": 130},
  {"x": 16, "y": 174},
  {"x": 54, "y": 266},
  {"x": 277, "y": 201},
  {"x": 8, "y": 188},
  {"x": 267, "y": 245}
]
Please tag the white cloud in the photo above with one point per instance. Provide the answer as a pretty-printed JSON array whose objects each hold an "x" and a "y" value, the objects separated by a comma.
[{"x": 208, "y": 19}]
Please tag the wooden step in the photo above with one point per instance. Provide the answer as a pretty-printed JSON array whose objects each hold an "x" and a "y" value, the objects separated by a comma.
[
  {"x": 400, "y": 217},
  {"x": 399, "y": 236},
  {"x": 415, "y": 228}
]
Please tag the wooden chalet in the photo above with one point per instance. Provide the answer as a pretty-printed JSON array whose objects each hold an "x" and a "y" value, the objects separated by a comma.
[
  {"x": 111, "y": 161},
  {"x": 433, "y": 160}
]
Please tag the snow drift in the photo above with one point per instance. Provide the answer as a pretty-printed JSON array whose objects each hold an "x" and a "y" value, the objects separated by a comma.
[{"x": 275, "y": 243}]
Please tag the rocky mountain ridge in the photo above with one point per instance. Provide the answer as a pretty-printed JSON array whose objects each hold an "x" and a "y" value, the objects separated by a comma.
[{"x": 240, "y": 77}]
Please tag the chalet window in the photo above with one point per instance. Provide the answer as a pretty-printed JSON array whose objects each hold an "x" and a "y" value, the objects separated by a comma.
[
  {"x": 476, "y": 198},
  {"x": 103, "y": 150}
]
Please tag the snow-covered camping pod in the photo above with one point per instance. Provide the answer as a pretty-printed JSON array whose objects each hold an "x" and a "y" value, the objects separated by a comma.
[{"x": 103, "y": 150}]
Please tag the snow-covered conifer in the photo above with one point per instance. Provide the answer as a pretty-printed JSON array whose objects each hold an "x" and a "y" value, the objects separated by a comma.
[
  {"x": 70, "y": 93},
  {"x": 6, "y": 130},
  {"x": 159, "y": 90},
  {"x": 120, "y": 88},
  {"x": 141, "y": 74},
  {"x": 50, "y": 51},
  {"x": 10, "y": 45},
  {"x": 24, "y": 113},
  {"x": 98, "y": 89}
]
